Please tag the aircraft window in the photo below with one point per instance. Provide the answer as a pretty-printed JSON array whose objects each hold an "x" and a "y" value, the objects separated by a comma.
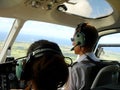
[
  {"x": 34, "y": 30},
  {"x": 88, "y": 8},
  {"x": 5, "y": 26},
  {"x": 109, "y": 47}
]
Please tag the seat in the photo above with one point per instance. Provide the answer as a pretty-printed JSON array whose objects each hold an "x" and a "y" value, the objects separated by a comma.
[{"x": 107, "y": 75}]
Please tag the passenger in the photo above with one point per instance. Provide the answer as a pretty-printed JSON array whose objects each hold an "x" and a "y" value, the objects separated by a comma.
[
  {"x": 45, "y": 68},
  {"x": 84, "y": 40}
]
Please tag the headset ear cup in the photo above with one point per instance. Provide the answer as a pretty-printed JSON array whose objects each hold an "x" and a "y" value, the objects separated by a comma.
[
  {"x": 26, "y": 73},
  {"x": 79, "y": 35},
  {"x": 80, "y": 38},
  {"x": 19, "y": 68}
]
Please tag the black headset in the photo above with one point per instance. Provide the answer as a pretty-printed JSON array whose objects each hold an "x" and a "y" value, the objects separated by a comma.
[
  {"x": 79, "y": 36},
  {"x": 24, "y": 71}
]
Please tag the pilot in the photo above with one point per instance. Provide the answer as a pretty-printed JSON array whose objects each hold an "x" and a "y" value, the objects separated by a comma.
[
  {"x": 84, "y": 40},
  {"x": 45, "y": 67}
]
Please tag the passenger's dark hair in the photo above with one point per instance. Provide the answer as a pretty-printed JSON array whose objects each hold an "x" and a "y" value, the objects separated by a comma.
[
  {"x": 50, "y": 70},
  {"x": 43, "y": 44}
]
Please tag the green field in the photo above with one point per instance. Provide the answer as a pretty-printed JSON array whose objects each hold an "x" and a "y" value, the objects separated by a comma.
[{"x": 19, "y": 49}]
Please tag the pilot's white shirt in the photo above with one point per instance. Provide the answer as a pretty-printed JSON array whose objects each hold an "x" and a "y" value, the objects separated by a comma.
[{"x": 76, "y": 75}]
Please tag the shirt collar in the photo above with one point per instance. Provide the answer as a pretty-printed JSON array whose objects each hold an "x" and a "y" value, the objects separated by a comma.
[{"x": 83, "y": 57}]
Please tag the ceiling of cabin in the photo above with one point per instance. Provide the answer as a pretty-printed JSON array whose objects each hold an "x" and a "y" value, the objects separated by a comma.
[{"x": 23, "y": 10}]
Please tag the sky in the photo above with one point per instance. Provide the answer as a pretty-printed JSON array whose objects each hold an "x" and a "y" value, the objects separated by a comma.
[
  {"x": 38, "y": 28},
  {"x": 110, "y": 39},
  {"x": 53, "y": 30}
]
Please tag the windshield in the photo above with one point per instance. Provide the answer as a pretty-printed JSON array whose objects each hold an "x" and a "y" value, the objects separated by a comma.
[
  {"x": 109, "y": 47},
  {"x": 34, "y": 30},
  {"x": 5, "y": 27}
]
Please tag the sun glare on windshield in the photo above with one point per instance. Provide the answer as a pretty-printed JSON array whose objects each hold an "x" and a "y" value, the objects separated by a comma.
[{"x": 89, "y": 8}]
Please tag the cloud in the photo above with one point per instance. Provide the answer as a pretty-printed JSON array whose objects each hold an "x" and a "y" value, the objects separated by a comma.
[
  {"x": 81, "y": 8},
  {"x": 47, "y": 29}
]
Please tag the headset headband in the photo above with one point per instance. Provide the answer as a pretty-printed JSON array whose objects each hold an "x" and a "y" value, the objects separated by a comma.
[
  {"x": 37, "y": 53},
  {"x": 80, "y": 27}
]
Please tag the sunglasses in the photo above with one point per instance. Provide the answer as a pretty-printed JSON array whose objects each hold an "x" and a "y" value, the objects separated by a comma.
[{"x": 72, "y": 39}]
